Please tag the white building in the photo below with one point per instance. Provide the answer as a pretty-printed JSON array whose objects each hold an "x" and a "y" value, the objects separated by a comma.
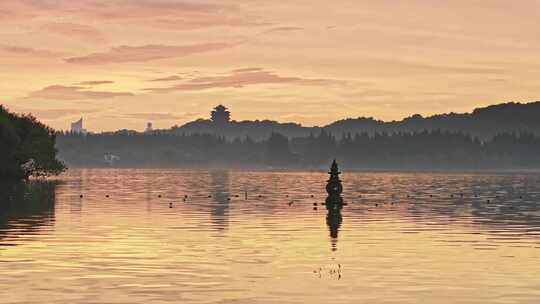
[
  {"x": 110, "y": 159},
  {"x": 77, "y": 127}
]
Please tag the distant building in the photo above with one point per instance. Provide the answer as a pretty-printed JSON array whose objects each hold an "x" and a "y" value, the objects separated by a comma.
[
  {"x": 110, "y": 159},
  {"x": 149, "y": 128},
  {"x": 77, "y": 127},
  {"x": 220, "y": 115}
]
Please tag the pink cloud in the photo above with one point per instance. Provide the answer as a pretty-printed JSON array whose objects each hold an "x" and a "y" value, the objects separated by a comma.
[
  {"x": 159, "y": 116},
  {"x": 95, "y": 82},
  {"x": 24, "y": 51},
  {"x": 176, "y": 15},
  {"x": 169, "y": 78},
  {"x": 241, "y": 78},
  {"x": 284, "y": 29},
  {"x": 198, "y": 22},
  {"x": 245, "y": 70},
  {"x": 52, "y": 114},
  {"x": 76, "y": 31},
  {"x": 146, "y": 53},
  {"x": 74, "y": 93}
]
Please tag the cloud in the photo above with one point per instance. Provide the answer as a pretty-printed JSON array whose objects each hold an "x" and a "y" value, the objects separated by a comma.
[
  {"x": 202, "y": 21},
  {"x": 24, "y": 51},
  {"x": 169, "y": 78},
  {"x": 74, "y": 93},
  {"x": 52, "y": 114},
  {"x": 159, "y": 116},
  {"x": 247, "y": 70},
  {"x": 368, "y": 93},
  {"x": 95, "y": 82},
  {"x": 76, "y": 31},
  {"x": 164, "y": 14},
  {"x": 146, "y": 53},
  {"x": 241, "y": 78},
  {"x": 284, "y": 29}
]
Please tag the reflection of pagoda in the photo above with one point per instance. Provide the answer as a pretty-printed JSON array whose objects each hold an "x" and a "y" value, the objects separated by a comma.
[
  {"x": 334, "y": 220},
  {"x": 220, "y": 187},
  {"x": 334, "y": 203}
]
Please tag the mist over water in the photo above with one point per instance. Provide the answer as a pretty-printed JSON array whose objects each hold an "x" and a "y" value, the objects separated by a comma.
[{"x": 132, "y": 236}]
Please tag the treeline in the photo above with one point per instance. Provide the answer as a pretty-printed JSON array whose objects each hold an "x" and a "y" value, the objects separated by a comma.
[
  {"x": 27, "y": 147},
  {"x": 418, "y": 150},
  {"x": 483, "y": 123}
]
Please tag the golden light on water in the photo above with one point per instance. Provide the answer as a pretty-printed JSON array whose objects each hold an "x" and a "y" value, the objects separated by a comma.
[{"x": 134, "y": 246}]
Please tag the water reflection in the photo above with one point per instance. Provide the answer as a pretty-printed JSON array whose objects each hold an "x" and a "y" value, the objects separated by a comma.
[
  {"x": 220, "y": 187},
  {"x": 272, "y": 247},
  {"x": 496, "y": 202},
  {"x": 78, "y": 185},
  {"x": 25, "y": 208},
  {"x": 334, "y": 220}
]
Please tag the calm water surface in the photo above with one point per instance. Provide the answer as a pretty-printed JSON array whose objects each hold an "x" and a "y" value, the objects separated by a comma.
[{"x": 402, "y": 238}]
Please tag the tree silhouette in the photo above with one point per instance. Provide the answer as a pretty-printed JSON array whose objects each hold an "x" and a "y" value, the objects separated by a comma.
[
  {"x": 277, "y": 150},
  {"x": 418, "y": 150},
  {"x": 483, "y": 123},
  {"x": 28, "y": 147}
]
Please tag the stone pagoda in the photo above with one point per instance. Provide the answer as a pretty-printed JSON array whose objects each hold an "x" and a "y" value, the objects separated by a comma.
[{"x": 334, "y": 201}]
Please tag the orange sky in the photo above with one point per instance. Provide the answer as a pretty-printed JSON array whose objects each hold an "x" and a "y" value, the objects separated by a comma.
[{"x": 121, "y": 63}]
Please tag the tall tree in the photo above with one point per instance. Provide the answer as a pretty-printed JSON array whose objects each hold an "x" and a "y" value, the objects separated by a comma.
[{"x": 29, "y": 147}]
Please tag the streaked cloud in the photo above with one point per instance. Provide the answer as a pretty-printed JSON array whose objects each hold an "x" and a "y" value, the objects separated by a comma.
[
  {"x": 123, "y": 54},
  {"x": 284, "y": 29},
  {"x": 241, "y": 78},
  {"x": 169, "y": 78},
  {"x": 358, "y": 58},
  {"x": 61, "y": 92},
  {"x": 160, "y": 116},
  {"x": 165, "y": 14},
  {"x": 53, "y": 114},
  {"x": 246, "y": 70},
  {"x": 95, "y": 82},
  {"x": 75, "y": 31},
  {"x": 27, "y": 51}
]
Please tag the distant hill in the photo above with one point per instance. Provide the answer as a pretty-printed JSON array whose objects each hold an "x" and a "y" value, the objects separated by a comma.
[
  {"x": 495, "y": 137},
  {"x": 482, "y": 122},
  {"x": 257, "y": 129}
]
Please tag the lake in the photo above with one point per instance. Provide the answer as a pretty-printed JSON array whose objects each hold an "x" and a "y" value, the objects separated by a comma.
[{"x": 180, "y": 236}]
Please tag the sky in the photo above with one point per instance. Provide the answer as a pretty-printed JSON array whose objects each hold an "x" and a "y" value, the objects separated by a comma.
[{"x": 123, "y": 63}]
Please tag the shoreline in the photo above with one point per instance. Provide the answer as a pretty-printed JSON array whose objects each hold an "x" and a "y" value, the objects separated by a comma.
[{"x": 318, "y": 170}]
